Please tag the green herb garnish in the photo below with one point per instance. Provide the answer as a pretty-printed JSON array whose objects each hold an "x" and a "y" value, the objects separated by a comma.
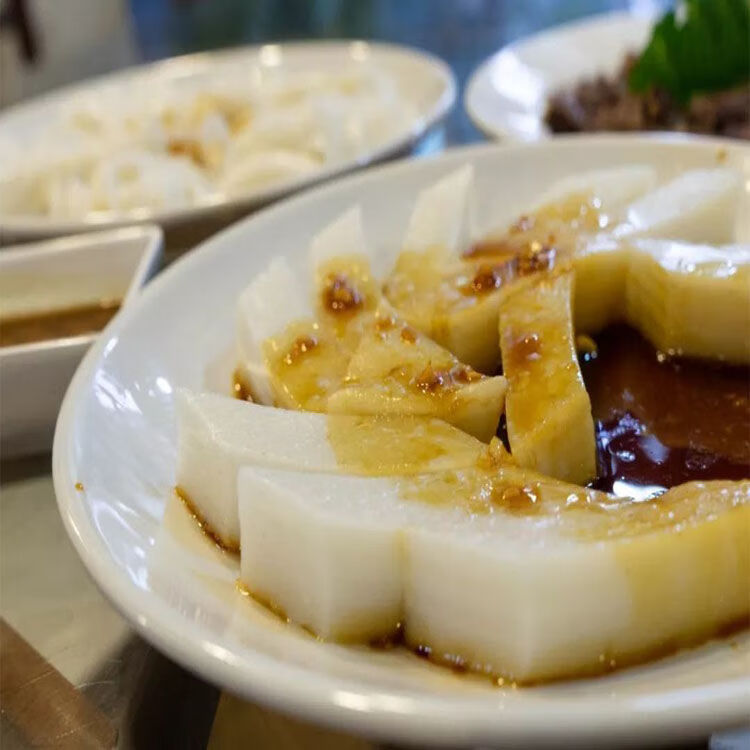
[{"x": 699, "y": 47}]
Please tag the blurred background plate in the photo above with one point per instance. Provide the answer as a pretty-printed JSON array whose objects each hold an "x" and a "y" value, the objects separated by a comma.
[
  {"x": 114, "y": 474},
  {"x": 506, "y": 96},
  {"x": 422, "y": 79}
]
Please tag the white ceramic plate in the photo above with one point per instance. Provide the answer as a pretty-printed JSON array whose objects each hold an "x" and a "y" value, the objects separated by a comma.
[
  {"x": 506, "y": 96},
  {"x": 59, "y": 274},
  {"x": 116, "y": 436},
  {"x": 423, "y": 80}
]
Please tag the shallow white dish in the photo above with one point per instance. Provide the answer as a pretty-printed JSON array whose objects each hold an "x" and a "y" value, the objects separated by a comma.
[
  {"x": 59, "y": 274},
  {"x": 116, "y": 436},
  {"x": 425, "y": 81},
  {"x": 506, "y": 96}
]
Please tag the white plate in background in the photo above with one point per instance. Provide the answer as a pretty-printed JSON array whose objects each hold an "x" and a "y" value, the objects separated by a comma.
[
  {"x": 53, "y": 275},
  {"x": 116, "y": 436},
  {"x": 506, "y": 96},
  {"x": 423, "y": 80}
]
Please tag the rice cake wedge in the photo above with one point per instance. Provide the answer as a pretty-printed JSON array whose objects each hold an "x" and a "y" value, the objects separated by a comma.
[
  {"x": 344, "y": 288},
  {"x": 574, "y": 592},
  {"x": 439, "y": 229},
  {"x": 606, "y": 191},
  {"x": 442, "y": 218},
  {"x": 453, "y": 302},
  {"x": 548, "y": 411},
  {"x": 273, "y": 302},
  {"x": 323, "y": 554},
  {"x": 601, "y": 268},
  {"x": 697, "y": 206},
  {"x": 691, "y": 300},
  {"x": 397, "y": 370},
  {"x": 294, "y": 350},
  {"x": 454, "y": 297},
  {"x": 218, "y": 435},
  {"x": 497, "y": 568}
]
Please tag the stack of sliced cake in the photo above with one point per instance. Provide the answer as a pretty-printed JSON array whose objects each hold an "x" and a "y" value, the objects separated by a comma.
[{"x": 367, "y": 491}]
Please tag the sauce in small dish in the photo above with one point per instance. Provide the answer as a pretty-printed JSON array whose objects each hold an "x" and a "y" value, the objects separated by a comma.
[
  {"x": 55, "y": 298},
  {"x": 56, "y": 324}
]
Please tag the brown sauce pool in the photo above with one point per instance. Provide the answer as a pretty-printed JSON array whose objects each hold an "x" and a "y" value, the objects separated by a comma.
[
  {"x": 664, "y": 421},
  {"x": 56, "y": 324}
]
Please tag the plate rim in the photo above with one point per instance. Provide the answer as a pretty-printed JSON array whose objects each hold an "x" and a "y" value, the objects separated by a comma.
[
  {"x": 349, "y": 704},
  {"x": 478, "y": 74},
  {"x": 29, "y": 226}
]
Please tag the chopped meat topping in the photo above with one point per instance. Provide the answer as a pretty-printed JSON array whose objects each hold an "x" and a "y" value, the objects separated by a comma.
[
  {"x": 488, "y": 278},
  {"x": 516, "y": 500},
  {"x": 189, "y": 147},
  {"x": 431, "y": 380},
  {"x": 603, "y": 103},
  {"x": 340, "y": 295},
  {"x": 299, "y": 348},
  {"x": 522, "y": 350},
  {"x": 499, "y": 249},
  {"x": 531, "y": 257},
  {"x": 408, "y": 335},
  {"x": 537, "y": 258},
  {"x": 524, "y": 223}
]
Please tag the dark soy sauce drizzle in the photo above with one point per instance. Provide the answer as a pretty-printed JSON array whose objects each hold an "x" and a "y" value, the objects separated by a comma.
[{"x": 664, "y": 421}]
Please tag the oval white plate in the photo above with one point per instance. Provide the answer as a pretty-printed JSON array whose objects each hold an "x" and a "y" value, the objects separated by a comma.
[
  {"x": 506, "y": 96},
  {"x": 116, "y": 436},
  {"x": 425, "y": 81}
]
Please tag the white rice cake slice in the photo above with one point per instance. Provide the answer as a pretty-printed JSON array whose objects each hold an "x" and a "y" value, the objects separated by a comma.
[
  {"x": 601, "y": 269},
  {"x": 342, "y": 238},
  {"x": 345, "y": 290},
  {"x": 503, "y": 571},
  {"x": 335, "y": 568},
  {"x": 697, "y": 206},
  {"x": 692, "y": 300},
  {"x": 217, "y": 435},
  {"x": 278, "y": 322},
  {"x": 454, "y": 298},
  {"x": 611, "y": 189},
  {"x": 397, "y": 370},
  {"x": 269, "y": 305},
  {"x": 547, "y": 408},
  {"x": 441, "y": 220}
]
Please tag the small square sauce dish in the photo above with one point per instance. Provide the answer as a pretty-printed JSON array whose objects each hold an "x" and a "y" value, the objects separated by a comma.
[{"x": 55, "y": 298}]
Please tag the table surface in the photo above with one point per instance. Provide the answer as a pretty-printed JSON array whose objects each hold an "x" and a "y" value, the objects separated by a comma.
[{"x": 74, "y": 674}]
